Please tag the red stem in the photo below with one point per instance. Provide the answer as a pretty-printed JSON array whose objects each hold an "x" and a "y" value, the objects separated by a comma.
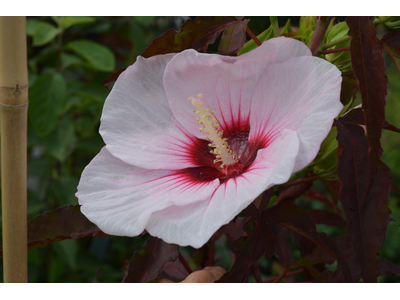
[
  {"x": 253, "y": 36},
  {"x": 184, "y": 263},
  {"x": 336, "y": 50},
  {"x": 319, "y": 32},
  {"x": 273, "y": 279},
  {"x": 299, "y": 181}
]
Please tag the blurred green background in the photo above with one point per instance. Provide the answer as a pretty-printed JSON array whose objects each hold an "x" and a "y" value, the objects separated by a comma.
[{"x": 69, "y": 58}]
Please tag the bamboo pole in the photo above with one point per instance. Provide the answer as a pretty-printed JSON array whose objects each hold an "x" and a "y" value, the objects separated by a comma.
[{"x": 14, "y": 112}]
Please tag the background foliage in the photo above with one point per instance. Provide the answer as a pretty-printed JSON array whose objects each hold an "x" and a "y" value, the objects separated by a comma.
[{"x": 69, "y": 59}]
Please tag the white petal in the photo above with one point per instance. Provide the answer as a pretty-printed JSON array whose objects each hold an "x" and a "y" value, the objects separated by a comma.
[
  {"x": 301, "y": 94},
  {"x": 137, "y": 124},
  {"x": 227, "y": 83},
  {"x": 120, "y": 198},
  {"x": 194, "y": 224}
]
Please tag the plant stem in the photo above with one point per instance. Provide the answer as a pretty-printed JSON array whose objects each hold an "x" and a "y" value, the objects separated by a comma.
[
  {"x": 336, "y": 50},
  {"x": 286, "y": 275},
  {"x": 275, "y": 26},
  {"x": 299, "y": 181},
  {"x": 253, "y": 36},
  {"x": 184, "y": 263},
  {"x": 334, "y": 43},
  {"x": 14, "y": 114},
  {"x": 319, "y": 33}
]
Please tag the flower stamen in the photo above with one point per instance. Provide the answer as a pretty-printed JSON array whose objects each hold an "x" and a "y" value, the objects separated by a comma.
[{"x": 210, "y": 125}]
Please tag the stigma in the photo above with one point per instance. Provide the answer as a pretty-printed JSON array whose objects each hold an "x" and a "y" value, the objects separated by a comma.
[{"x": 209, "y": 124}]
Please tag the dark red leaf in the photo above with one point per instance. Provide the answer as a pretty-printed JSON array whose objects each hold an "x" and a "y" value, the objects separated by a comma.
[
  {"x": 110, "y": 80},
  {"x": 195, "y": 34},
  {"x": 249, "y": 249},
  {"x": 326, "y": 217},
  {"x": 234, "y": 230},
  {"x": 63, "y": 223},
  {"x": 333, "y": 189},
  {"x": 365, "y": 207},
  {"x": 321, "y": 198},
  {"x": 387, "y": 267},
  {"x": 174, "y": 271},
  {"x": 369, "y": 69},
  {"x": 349, "y": 88},
  {"x": 233, "y": 38},
  {"x": 325, "y": 277},
  {"x": 297, "y": 219},
  {"x": 282, "y": 246},
  {"x": 148, "y": 261},
  {"x": 295, "y": 191},
  {"x": 391, "y": 40},
  {"x": 356, "y": 115}
]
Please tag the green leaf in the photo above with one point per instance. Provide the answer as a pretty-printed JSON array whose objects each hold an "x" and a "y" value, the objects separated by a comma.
[
  {"x": 144, "y": 20},
  {"x": 31, "y": 25},
  {"x": 69, "y": 60},
  {"x": 338, "y": 31},
  {"x": 263, "y": 36},
  {"x": 67, "y": 251},
  {"x": 71, "y": 21},
  {"x": 44, "y": 33},
  {"x": 99, "y": 57},
  {"x": 60, "y": 142},
  {"x": 287, "y": 28},
  {"x": 47, "y": 97}
]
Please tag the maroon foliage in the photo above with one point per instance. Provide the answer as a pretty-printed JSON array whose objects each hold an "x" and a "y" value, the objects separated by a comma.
[
  {"x": 387, "y": 267},
  {"x": 320, "y": 216},
  {"x": 174, "y": 271},
  {"x": 63, "y": 223},
  {"x": 282, "y": 246},
  {"x": 297, "y": 219},
  {"x": 391, "y": 41},
  {"x": 234, "y": 230},
  {"x": 249, "y": 249},
  {"x": 233, "y": 38},
  {"x": 148, "y": 261},
  {"x": 293, "y": 192},
  {"x": 195, "y": 34},
  {"x": 369, "y": 70},
  {"x": 364, "y": 203}
]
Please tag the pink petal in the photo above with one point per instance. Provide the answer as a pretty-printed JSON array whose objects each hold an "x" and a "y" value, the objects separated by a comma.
[
  {"x": 120, "y": 198},
  {"x": 227, "y": 83},
  {"x": 137, "y": 124},
  {"x": 195, "y": 223},
  {"x": 301, "y": 94}
]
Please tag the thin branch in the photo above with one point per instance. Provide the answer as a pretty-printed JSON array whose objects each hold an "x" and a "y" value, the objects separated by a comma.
[
  {"x": 334, "y": 43},
  {"x": 299, "y": 181},
  {"x": 273, "y": 279},
  {"x": 253, "y": 36},
  {"x": 184, "y": 263},
  {"x": 319, "y": 33},
  {"x": 336, "y": 50}
]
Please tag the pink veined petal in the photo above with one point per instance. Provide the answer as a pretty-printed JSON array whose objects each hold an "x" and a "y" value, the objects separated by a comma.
[
  {"x": 120, "y": 198},
  {"x": 195, "y": 223},
  {"x": 301, "y": 94},
  {"x": 227, "y": 83},
  {"x": 137, "y": 124}
]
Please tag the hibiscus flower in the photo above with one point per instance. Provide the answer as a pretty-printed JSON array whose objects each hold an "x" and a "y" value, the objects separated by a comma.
[{"x": 192, "y": 138}]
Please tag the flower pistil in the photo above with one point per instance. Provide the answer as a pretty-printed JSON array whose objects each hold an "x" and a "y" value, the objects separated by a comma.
[{"x": 210, "y": 126}]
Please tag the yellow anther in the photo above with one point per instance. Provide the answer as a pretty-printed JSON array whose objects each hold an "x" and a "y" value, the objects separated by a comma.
[{"x": 222, "y": 150}]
